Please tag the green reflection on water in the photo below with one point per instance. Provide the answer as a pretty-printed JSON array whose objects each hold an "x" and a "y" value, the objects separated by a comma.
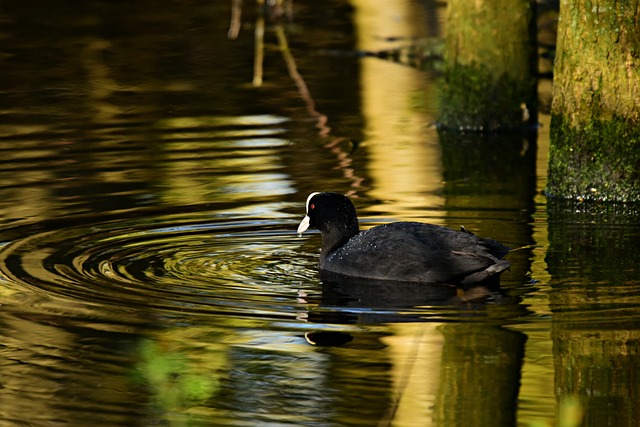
[{"x": 180, "y": 371}]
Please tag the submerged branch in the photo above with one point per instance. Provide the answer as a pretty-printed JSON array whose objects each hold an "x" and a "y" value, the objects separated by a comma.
[
  {"x": 258, "y": 58},
  {"x": 300, "y": 83},
  {"x": 236, "y": 14},
  {"x": 334, "y": 144}
]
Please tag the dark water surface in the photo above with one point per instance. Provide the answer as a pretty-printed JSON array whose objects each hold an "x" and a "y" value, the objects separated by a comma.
[{"x": 150, "y": 274}]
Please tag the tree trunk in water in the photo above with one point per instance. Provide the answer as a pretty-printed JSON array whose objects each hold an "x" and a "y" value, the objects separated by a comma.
[
  {"x": 596, "y": 359},
  {"x": 479, "y": 376},
  {"x": 595, "y": 125},
  {"x": 492, "y": 173},
  {"x": 489, "y": 80}
]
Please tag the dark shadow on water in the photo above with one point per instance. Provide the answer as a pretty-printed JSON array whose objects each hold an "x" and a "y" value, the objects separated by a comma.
[
  {"x": 479, "y": 375},
  {"x": 360, "y": 292},
  {"x": 490, "y": 180},
  {"x": 594, "y": 259},
  {"x": 356, "y": 300},
  {"x": 481, "y": 359}
]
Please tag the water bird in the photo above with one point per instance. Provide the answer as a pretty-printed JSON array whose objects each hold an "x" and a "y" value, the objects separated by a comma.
[{"x": 399, "y": 251}]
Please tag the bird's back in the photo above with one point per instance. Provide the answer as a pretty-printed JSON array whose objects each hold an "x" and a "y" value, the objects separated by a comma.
[{"x": 417, "y": 252}]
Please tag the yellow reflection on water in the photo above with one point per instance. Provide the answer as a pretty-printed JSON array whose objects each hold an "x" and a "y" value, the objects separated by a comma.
[
  {"x": 406, "y": 172},
  {"x": 403, "y": 147},
  {"x": 416, "y": 350}
]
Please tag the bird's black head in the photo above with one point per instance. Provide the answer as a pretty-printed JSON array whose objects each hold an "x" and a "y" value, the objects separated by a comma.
[{"x": 327, "y": 211}]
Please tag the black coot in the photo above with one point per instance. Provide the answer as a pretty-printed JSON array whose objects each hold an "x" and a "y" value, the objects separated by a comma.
[{"x": 400, "y": 251}]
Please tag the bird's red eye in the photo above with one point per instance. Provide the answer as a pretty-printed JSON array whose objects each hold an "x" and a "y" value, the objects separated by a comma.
[{"x": 312, "y": 206}]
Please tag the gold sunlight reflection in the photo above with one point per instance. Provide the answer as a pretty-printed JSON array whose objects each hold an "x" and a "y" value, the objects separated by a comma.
[
  {"x": 537, "y": 370},
  {"x": 416, "y": 349},
  {"x": 539, "y": 270},
  {"x": 406, "y": 170},
  {"x": 101, "y": 84},
  {"x": 223, "y": 157},
  {"x": 403, "y": 147}
]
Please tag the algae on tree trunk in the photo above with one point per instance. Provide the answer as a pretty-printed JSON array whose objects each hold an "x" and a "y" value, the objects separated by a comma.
[
  {"x": 595, "y": 125},
  {"x": 489, "y": 77}
]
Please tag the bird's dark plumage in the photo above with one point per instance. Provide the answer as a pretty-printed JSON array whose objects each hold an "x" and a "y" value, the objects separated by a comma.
[{"x": 400, "y": 251}]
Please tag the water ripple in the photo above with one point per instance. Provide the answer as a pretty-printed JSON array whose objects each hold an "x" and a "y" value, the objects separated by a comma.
[
  {"x": 196, "y": 263},
  {"x": 231, "y": 261}
]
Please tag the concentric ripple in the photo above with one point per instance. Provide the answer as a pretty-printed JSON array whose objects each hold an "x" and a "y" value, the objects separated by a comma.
[
  {"x": 186, "y": 263},
  {"x": 202, "y": 263}
]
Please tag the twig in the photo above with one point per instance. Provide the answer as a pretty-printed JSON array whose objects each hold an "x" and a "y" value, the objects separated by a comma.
[
  {"x": 299, "y": 81},
  {"x": 344, "y": 159},
  {"x": 258, "y": 58},
  {"x": 236, "y": 14}
]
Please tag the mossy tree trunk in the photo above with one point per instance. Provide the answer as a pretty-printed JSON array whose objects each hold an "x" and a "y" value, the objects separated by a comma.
[
  {"x": 489, "y": 80},
  {"x": 595, "y": 126}
]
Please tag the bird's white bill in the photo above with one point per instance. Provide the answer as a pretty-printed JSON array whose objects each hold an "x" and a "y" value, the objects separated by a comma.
[{"x": 304, "y": 224}]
